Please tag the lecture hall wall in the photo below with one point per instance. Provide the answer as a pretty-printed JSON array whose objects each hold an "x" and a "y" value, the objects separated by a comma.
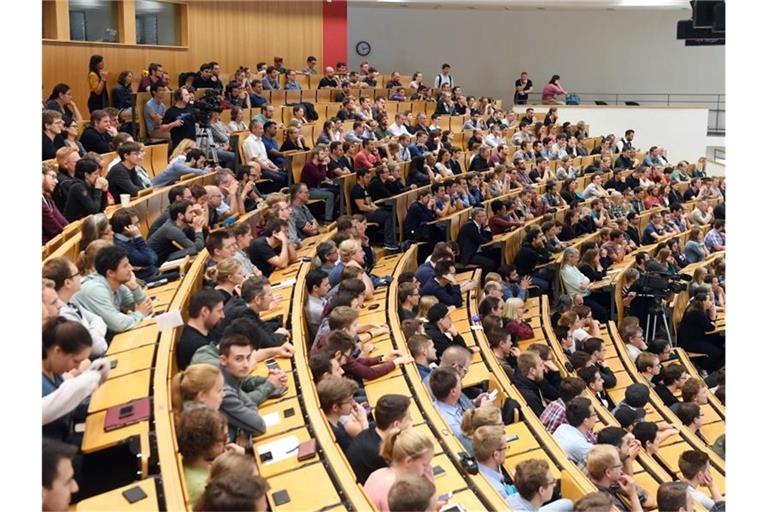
[
  {"x": 595, "y": 51},
  {"x": 231, "y": 33}
]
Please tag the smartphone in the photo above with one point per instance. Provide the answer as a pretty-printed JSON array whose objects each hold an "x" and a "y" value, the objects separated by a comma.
[
  {"x": 445, "y": 497},
  {"x": 512, "y": 437},
  {"x": 453, "y": 507},
  {"x": 265, "y": 457},
  {"x": 134, "y": 494},
  {"x": 289, "y": 412},
  {"x": 272, "y": 364},
  {"x": 281, "y": 497},
  {"x": 493, "y": 394},
  {"x": 437, "y": 471},
  {"x": 113, "y": 364},
  {"x": 125, "y": 411}
]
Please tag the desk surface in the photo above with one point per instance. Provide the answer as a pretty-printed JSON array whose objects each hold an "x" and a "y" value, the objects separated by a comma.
[
  {"x": 120, "y": 390},
  {"x": 132, "y": 360},
  {"x": 134, "y": 338},
  {"x": 114, "y": 500},
  {"x": 319, "y": 493}
]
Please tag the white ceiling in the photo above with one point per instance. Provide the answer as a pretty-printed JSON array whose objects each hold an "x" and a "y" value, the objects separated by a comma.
[{"x": 534, "y": 4}]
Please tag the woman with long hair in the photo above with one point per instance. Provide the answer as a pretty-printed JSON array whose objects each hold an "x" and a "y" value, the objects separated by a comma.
[
  {"x": 95, "y": 227},
  {"x": 409, "y": 452},
  {"x": 199, "y": 385},
  {"x": 97, "y": 82},
  {"x": 228, "y": 275},
  {"x": 692, "y": 334},
  {"x": 61, "y": 101}
]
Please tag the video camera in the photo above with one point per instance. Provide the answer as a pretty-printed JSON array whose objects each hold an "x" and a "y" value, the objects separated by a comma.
[
  {"x": 203, "y": 107},
  {"x": 659, "y": 285}
]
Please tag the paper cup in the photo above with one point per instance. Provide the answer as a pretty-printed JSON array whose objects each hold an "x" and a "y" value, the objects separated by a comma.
[{"x": 125, "y": 200}]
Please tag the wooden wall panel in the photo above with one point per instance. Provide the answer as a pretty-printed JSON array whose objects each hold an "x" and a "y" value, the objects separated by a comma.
[{"x": 232, "y": 33}]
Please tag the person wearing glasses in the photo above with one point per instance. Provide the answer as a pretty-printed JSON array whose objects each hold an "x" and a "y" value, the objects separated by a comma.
[
  {"x": 66, "y": 279},
  {"x": 605, "y": 469},
  {"x": 490, "y": 446},
  {"x": 535, "y": 485},
  {"x": 575, "y": 436},
  {"x": 408, "y": 296}
]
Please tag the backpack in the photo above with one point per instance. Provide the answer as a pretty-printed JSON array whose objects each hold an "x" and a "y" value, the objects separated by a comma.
[{"x": 572, "y": 99}]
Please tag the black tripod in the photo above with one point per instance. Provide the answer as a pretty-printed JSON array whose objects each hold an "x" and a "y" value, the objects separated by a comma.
[
  {"x": 656, "y": 312},
  {"x": 204, "y": 141}
]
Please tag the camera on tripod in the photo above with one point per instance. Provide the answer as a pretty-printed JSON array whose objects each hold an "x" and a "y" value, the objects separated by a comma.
[
  {"x": 203, "y": 107},
  {"x": 659, "y": 285}
]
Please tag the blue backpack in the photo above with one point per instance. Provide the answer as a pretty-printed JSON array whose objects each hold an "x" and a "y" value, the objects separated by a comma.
[{"x": 572, "y": 99}]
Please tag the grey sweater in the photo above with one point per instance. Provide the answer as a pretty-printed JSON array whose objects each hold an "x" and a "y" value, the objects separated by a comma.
[{"x": 170, "y": 242}]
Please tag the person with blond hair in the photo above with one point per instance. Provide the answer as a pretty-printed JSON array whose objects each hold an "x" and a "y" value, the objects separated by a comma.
[
  {"x": 199, "y": 385},
  {"x": 535, "y": 485},
  {"x": 409, "y": 452},
  {"x": 605, "y": 469},
  {"x": 475, "y": 418},
  {"x": 228, "y": 275}
]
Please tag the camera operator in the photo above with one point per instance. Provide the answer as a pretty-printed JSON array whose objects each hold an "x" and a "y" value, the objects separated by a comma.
[{"x": 180, "y": 118}]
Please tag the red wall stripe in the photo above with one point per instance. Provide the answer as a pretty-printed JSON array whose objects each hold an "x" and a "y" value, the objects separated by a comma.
[{"x": 334, "y": 32}]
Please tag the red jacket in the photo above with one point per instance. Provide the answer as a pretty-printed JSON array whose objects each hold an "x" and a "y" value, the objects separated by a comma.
[
  {"x": 53, "y": 221},
  {"x": 368, "y": 368}
]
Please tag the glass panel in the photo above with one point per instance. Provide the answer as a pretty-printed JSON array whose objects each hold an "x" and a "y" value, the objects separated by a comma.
[
  {"x": 93, "y": 20},
  {"x": 157, "y": 23}
]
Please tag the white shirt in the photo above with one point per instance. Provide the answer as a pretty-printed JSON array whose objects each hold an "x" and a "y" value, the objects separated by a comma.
[
  {"x": 73, "y": 391},
  {"x": 493, "y": 140},
  {"x": 254, "y": 148},
  {"x": 94, "y": 323},
  {"x": 396, "y": 130}
]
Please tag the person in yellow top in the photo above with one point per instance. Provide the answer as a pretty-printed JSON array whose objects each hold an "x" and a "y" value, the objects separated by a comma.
[{"x": 97, "y": 82}]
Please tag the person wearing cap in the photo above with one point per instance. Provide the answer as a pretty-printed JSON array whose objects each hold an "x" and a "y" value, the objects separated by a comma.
[
  {"x": 636, "y": 396},
  {"x": 441, "y": 330}
]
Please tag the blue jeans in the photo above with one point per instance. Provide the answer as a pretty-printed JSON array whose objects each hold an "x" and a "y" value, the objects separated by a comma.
[{"x": 327, "y": 195}]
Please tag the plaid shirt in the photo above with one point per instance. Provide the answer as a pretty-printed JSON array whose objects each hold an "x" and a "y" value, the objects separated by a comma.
[
  {"x": 713, "y": 238},
  {"x": 554, "y": 415}
]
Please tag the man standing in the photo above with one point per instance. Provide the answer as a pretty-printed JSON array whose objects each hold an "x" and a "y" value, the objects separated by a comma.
[
  {"x": 179, "y": 118},
  {"x": 523, "y": 86},
  {"x": 444, "y": 77}
]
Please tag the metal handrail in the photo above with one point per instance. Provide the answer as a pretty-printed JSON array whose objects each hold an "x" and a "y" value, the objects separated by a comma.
[{"x": 715, "y": 102}]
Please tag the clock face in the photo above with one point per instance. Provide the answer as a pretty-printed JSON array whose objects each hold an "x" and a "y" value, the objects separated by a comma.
[{"x": 363, "y": 48}]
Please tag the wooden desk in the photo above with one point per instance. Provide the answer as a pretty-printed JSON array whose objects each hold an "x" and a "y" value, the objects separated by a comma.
[
  {"x": 95, "y": 438},
  {"x": 511, "y": 461},
  {"x": 134, "y": 338},
  {"x": 525, "y": 442},
  {"x": 468, "y": 499},
  {"x": 290, "y": 415},
  {"x": 317, "y": 492},
  {"x": 114, "y": 500},
  {"x": 120, "y": 390},
  {"x": 424, "y": 429},
  {"x": 713, "y": 430},
  {"x": 476, "y": 374},
  {"x": 132, "y": 360},
  {"x": 270, "y": 469},
  {"x": 396, "y": 385},
  {"x": 449, "y": 481}
]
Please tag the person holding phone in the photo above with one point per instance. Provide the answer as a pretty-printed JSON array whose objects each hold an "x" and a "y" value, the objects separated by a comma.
[{"x": 69, "y": 377}]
